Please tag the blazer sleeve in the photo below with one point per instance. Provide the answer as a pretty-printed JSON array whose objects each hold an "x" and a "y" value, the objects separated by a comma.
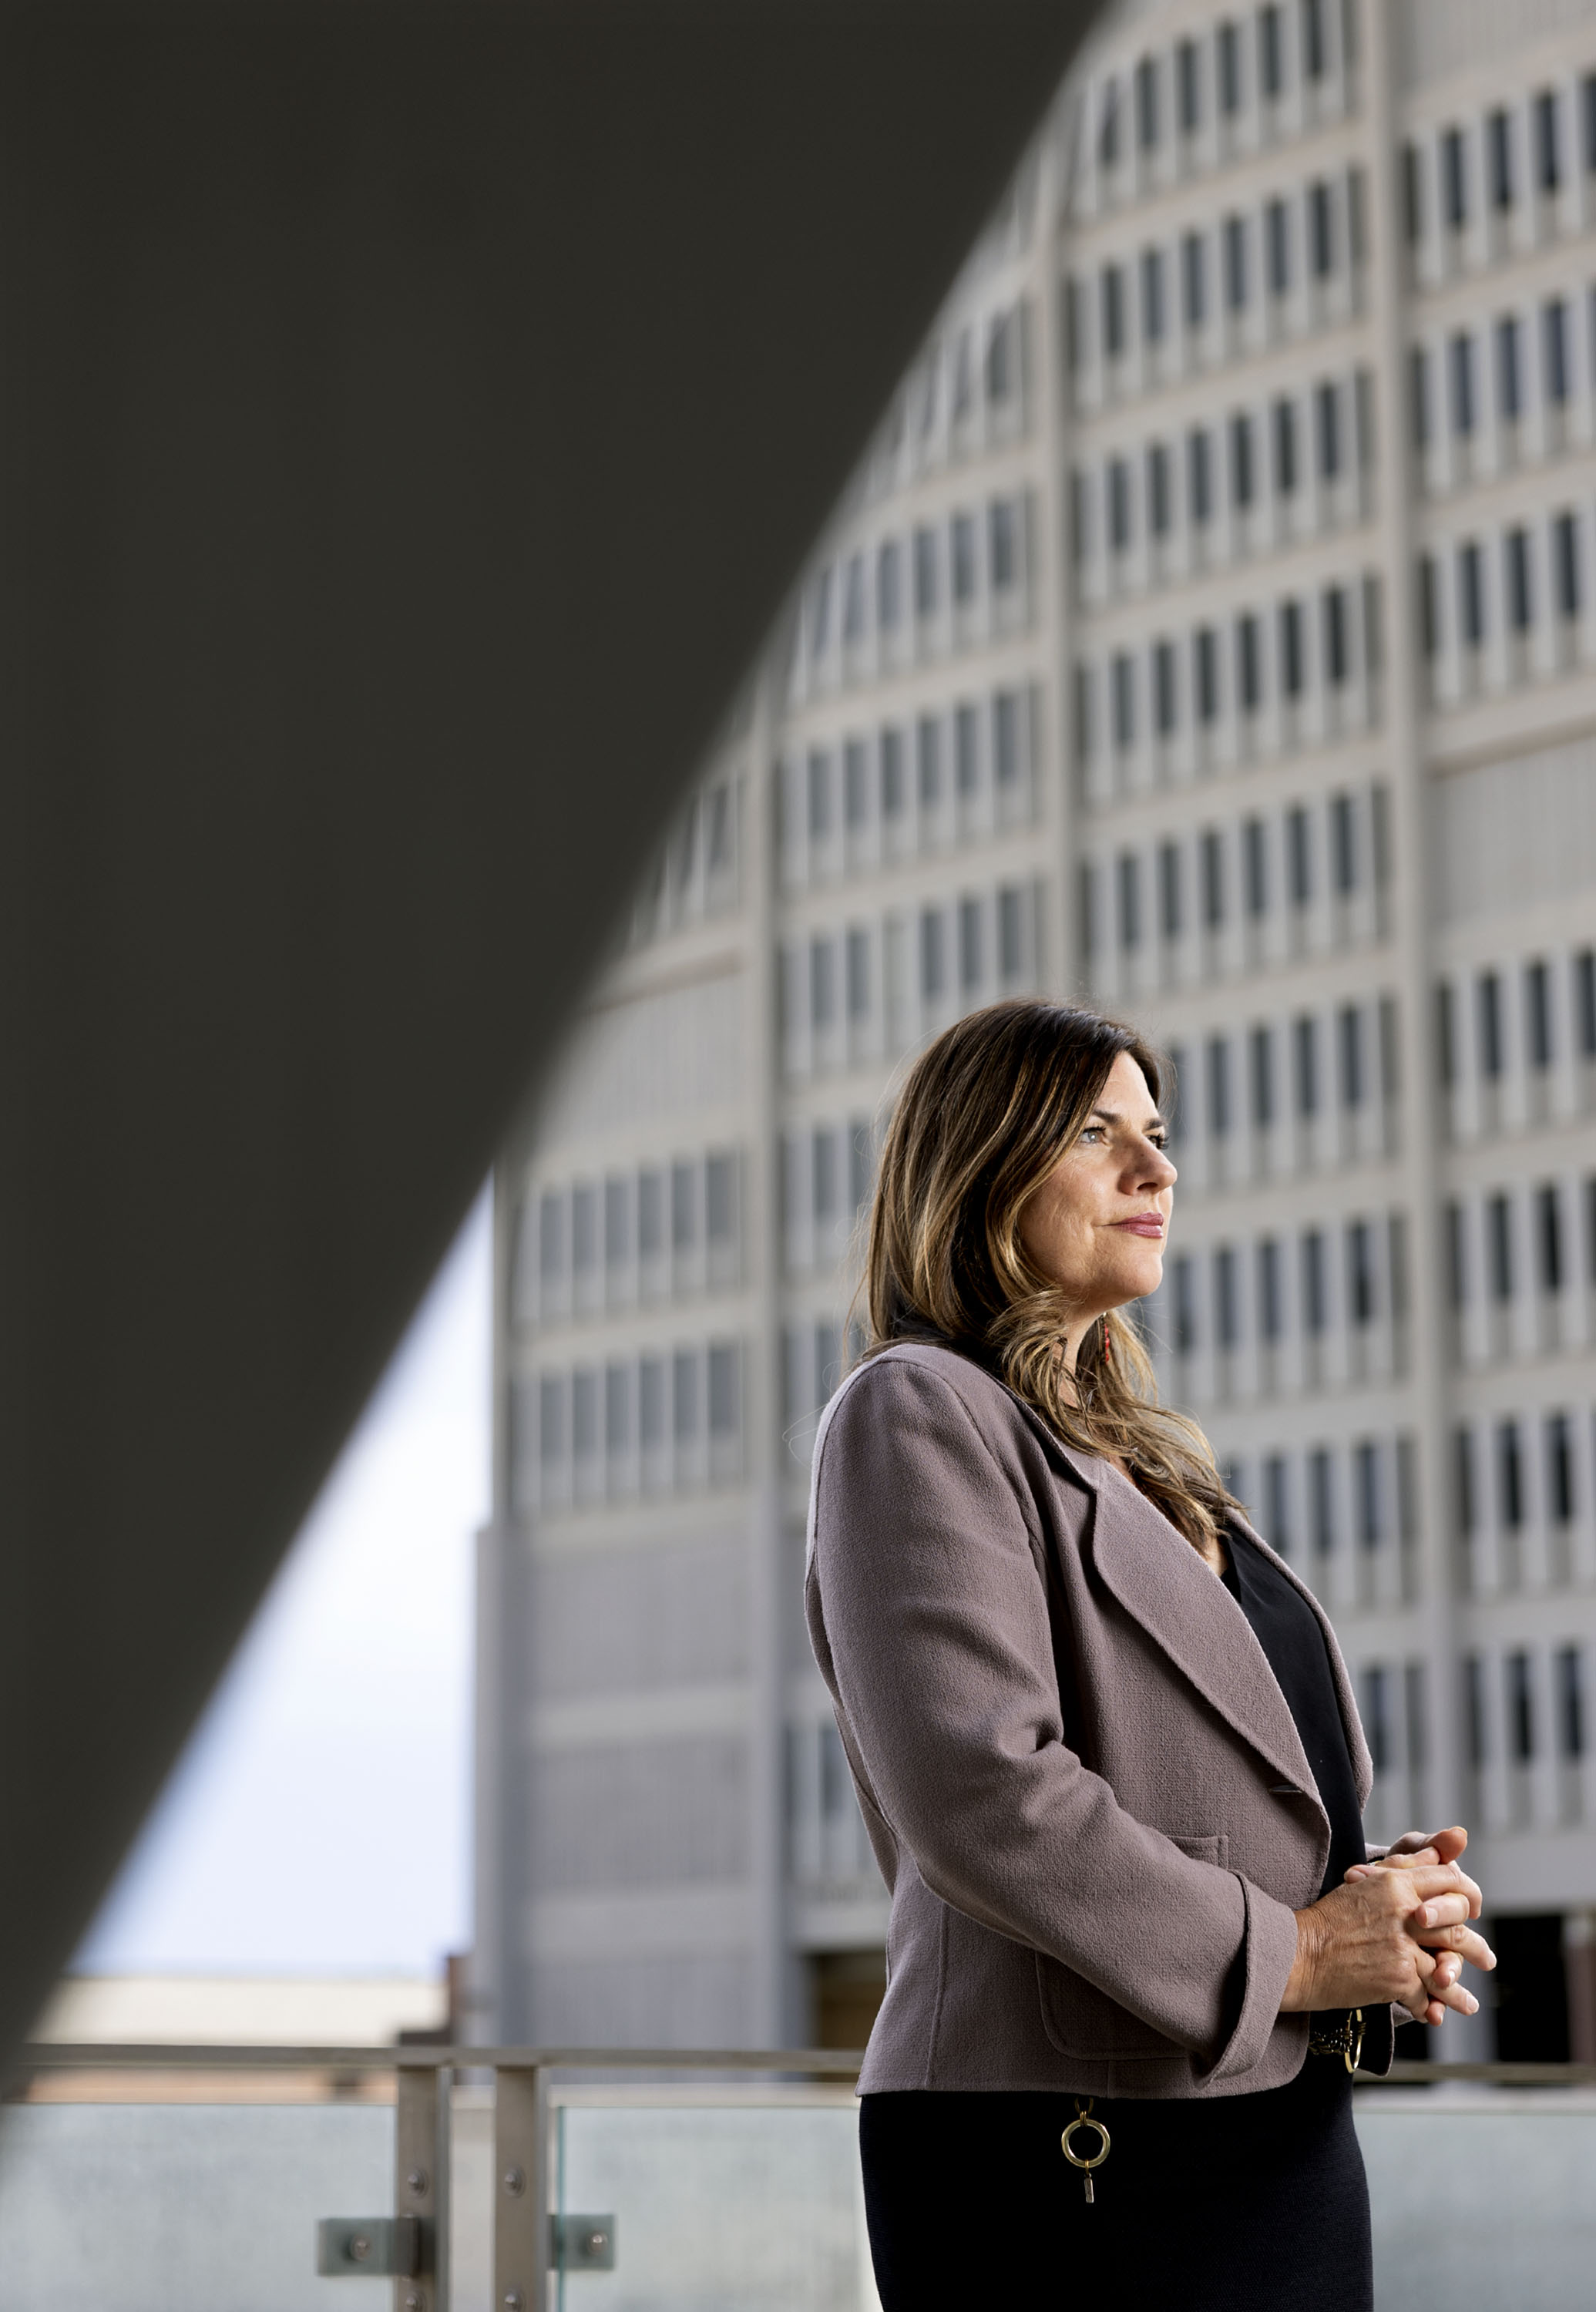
[{"x": 934, "y": 1614}]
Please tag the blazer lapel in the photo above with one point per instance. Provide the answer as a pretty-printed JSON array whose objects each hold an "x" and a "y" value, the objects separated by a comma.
[{"x": 1160, "y": 1579}]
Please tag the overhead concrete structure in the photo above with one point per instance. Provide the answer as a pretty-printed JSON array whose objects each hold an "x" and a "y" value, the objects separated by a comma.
[{"x": 378, "y": 379}]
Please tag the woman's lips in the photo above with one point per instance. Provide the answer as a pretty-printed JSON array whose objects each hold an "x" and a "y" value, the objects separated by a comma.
[{"x": 1144, "y": 1224}]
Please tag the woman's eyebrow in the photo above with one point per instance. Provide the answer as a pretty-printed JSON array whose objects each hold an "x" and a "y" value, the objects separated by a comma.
[{"x": 1154, "y": 1123}]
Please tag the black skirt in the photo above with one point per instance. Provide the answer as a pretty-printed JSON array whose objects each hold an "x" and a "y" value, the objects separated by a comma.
[{"x": 1246, "y": 2203}]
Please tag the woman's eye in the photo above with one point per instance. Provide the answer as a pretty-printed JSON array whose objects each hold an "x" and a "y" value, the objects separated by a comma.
[{"x": 1093, "y": 1132}]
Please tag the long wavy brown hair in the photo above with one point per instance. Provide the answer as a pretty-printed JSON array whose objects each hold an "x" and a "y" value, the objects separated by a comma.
[{"x": 988, "y": 1110}]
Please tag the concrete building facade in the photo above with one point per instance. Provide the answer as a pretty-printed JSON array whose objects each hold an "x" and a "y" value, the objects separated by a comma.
[{"x": 1210, "y": 633}]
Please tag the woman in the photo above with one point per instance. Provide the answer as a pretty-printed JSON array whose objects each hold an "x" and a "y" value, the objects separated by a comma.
[{"x": 1103, "y": 1741}]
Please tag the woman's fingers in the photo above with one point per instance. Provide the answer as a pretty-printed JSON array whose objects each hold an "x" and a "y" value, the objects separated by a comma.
[
  {"x": 1464, "y": 1941},
  {"x": 1442, "y": 1911}
]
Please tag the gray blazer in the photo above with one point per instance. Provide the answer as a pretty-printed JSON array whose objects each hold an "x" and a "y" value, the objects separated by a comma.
[{"x": 1083, "y": 1784}]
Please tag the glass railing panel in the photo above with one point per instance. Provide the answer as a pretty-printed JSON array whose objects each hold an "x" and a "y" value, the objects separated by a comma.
[
  {"x": 185, "y": 2207},
  {"x": 723, "y": 2199}
]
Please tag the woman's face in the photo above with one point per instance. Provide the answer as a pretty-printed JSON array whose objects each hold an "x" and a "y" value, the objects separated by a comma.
[{"x": 1096, "y": 1225}]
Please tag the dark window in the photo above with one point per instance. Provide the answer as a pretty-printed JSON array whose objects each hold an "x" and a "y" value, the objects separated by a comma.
[
  {"x": 1463, "y": 1478},
  {"x": 1158, "y": 490},
  {"x": 1429, "y": 607},
  {"x": 1147, "y": 104},
  {"x": 1474, "y": 1709},
  {"x": 1285, "y": 447},
  {"x": 887, "y": 586},
  {"x": 1278, "y": 1503},
  {"x": 1472, "y": 592},
  {"x": 1189, "y": 86},
  {"x": 1350, "y": 1040},
  {"x": 1419, "y": 395},
  {"x": 1230, "y": 67},
  {"x": 855, "y": 790},
  {"x": 585, "y": 1230},
  {"x": 1413, "y": 209},
  {"x": 1271, "y": 67},
  {"x": 928, "y": 761},
  {"x": 1457, "y": 1259},
  {"x": 1499, "y": 132},
  {"x": 1553, "y": 323},
  {"x": 1269, "y": 1312},
  {"x": 1256, "y": 857},
  {"x": 1499, "y": 1240},
  {"x": 893, "y": 796},
  {"x": 618, "y": 1216},
  {"x": 1566, "y": 564},
  {"x": 1009, "y": 931},
  {"x": 1005, "y": 736},
  {"x": 1299, "y": 846},
  {"x": 1509, "y": 379},
  {"x": 1360, "y": 1273},
  {"x": 962, "y": 536},
  {"x": 1108, "y": 134},
  {"x": 1193, "y": 278},
  {"x": 970, "y": 944},
  {"x": 1446, "y": 1041},
  {"x": 1454, "y": 178},
  {"x": 1169, "y": 890},
  {"x": 1261, "y": 1050},
  {"x": 1125, "y": 711},
  {"x": 1344, "y": 844},
  {"x": 967, "y": 751},
  {"x": 1461, "y": 358},
  {"x": 858, "y": 973},
  {"x": 1242, "y": 478},
  {"x": 852, "y": 599},
  {"x": 1001, "y": 358},
  {"x": 1510, "y": 1476},
  {"x": 1549, "y": 158},
  {"x": 1584, "y": 1005},
  {"x": 932, "y": 968},
  {"x": 1163, "y": 687},
  {"x": 1118, "y": 504},
  {"x": 1219, "y": 1086},
  {"x": 1521, "y": 1708},
  {"x": 1199, "y": 488},
  {"x": 1337, "y": 659},
  {"x": 1235, "y": 262},
  {"x": 1003, "y": 542},
  {"x": 1073, "y": 333},
  {"x": 1371, "y": 1508},
  {"x": 925, "y": 587},
  {"x": 1549, "y": 1236},
  {"x": 1538, "y": 1013},
  {"x": 1153, "y": 295},
  {"x": 1185, "y": 1305},
  {"x": 551, "y": 1237},
  {"x": 1305, "y": 1050},
  {"x": 1571, "y": 1702},
  {"x": 1206, "y": 653},
  {"x": 1315, "y": 58},
  {"x": 1130, "y": 899},
  {"x": 1321, "y": 1492},
  {"x": 1291, "y": 648},
  {"x": 1277, "y": 232},
  {"x": 1377, "y": 1717},
  {"x": 1326, "y": 403},
  {"x": 1226, "y": 1315},
  {"x": 1113, "y": 312},
  {"x": 1249, "y": 667},
  {"x": 1515, "y": 551},
  {"x": 820, "y": 797},
  {"x": 1321, "y": 236},
  {"x": 1213, "y": 857}
]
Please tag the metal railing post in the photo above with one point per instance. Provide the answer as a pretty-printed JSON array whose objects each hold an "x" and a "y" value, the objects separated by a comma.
[
  {"x": 520, "y": 2190},
  {"x": 421, "y": 2180}
]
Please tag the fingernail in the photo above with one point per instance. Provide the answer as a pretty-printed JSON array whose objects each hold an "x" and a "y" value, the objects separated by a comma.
[{"x": 1473, "y": 2002}]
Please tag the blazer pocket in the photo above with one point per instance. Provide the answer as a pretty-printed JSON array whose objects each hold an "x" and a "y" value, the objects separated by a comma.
[{"x": 1080, "y": 2019}]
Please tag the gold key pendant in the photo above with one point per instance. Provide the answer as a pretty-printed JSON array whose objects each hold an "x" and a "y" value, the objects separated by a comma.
[{"x": 1083, "y": 2119}]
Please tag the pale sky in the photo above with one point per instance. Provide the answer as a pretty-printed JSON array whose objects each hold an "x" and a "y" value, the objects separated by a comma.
[{"x": 320, "y": 1819}]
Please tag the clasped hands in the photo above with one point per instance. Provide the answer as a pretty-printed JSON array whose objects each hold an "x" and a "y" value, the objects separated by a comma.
[{"x": 1395, "y": 1929}]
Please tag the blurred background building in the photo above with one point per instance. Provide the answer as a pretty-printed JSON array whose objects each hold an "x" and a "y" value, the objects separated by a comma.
[{"x": 1211, "y": 633}]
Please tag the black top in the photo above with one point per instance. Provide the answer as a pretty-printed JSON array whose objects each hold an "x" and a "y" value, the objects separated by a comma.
[{"x": 1289, "y": 1631}]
